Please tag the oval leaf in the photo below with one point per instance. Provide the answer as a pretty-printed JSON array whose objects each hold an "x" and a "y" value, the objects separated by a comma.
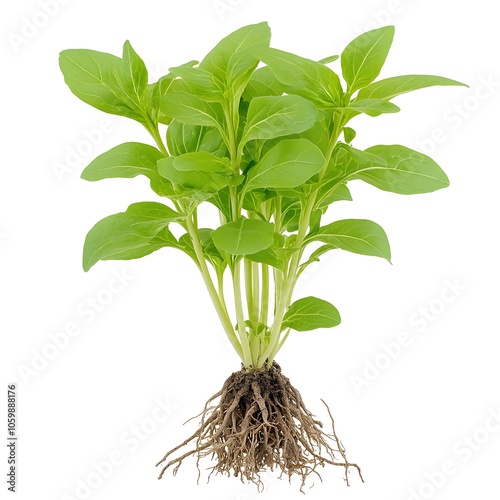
[
  {"x": 304, "y": 77},
  {"x": 204, "y": 182},
  {"x": 287, "y": 165},
  {"x": 128, "y": 235},
  {"x": 126, "y": 160},
  {"x": 364, "y": 57},
  {"x": 355, "y": 235},
  {"x": 407, "y": 171},
  {"x": 191, "y": 110},
  {"x": 397, "y": 85},
  {"x": 246, "y": 236},
  {"x": 373, "y": 107},
  {"x": 274, "y": 116},
  {"x": 310, "y": 313}
]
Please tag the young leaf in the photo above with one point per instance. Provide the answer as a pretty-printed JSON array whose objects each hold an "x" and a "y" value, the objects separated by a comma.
[
  {"x": 134, "y": 75},
  {"x": 201, "y": 161},
  {"x": 126, "y": 160},
  {"x": 245, "y": 236},
  {"x": 373, "y": 107},
  {"x": 328, "y": 60},
  {"x": 364, "y": 57},
  {"x": 304, "y": 77},
  {"x": 274, "y": 116},
  {"x": 128, "y": 235},
  {"x": 154, "y": 93},
  {"x": 191, "y": 110},
  {"x": 208, "y": 182},
  {"x": 397, "y": 85},
  {"x": 349, "y": 134},
  {"x": 287, "y": 165},
  {"x": 407, "y": 171},
  {"x": 314, "y": 257},
  {"x": 232, "y": 61},
  {"x": 328, "y": 196},
  {"x": 94, "y": 78},
  {"x": 355, "y": 235},
  {"x": 311, "y": 313},
  {"x": 262, "y": 83},
  {"x": 202, "y": 83}
]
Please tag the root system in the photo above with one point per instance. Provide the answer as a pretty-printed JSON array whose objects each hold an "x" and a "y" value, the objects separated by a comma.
[{"x": 260, "y": 421}]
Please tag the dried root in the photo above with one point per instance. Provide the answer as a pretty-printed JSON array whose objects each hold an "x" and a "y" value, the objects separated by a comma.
[{"x": 261, "y": 422}]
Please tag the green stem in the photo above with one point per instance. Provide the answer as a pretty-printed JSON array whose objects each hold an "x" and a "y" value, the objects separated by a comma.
[
  {"x": 286, "y": 287},
  {"x": 264, "y": 307},
  {"x": 256, "y": 291},
  {"x": 219, "y": 306},
  {"x": 247, "y": 357},
  {"x": 155, "y": 133},
  {"x": 249, "y": 289}
]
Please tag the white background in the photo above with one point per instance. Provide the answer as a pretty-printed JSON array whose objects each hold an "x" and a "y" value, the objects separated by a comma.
[{"x": 158, "y": 339}]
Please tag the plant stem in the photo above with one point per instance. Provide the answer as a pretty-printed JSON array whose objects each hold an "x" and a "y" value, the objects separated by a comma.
[
  {"x": 249, "y": 289},
  {"x": 155, "y": 133},
  {"x": 219, "y": 306},
  {"x": 264, "y": 302},
  {"x": 247, "y": 357},
  {"x": 285, "y": 290}
]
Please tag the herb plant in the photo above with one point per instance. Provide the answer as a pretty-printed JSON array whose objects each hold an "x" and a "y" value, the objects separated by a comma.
[{"x": 269, "y": 146}]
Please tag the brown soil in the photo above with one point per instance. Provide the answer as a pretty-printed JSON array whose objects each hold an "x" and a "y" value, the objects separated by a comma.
[{"x": 259, "y": 422}]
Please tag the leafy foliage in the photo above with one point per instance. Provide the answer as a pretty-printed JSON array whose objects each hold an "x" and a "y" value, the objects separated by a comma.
[{"x": 270, "y": 148}]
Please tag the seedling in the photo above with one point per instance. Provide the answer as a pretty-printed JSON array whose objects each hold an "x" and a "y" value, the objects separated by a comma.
[{"x": 262, "y": 136}]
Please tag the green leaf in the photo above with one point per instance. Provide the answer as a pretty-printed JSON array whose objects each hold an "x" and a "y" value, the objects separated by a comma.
[
  {"x": 232, "y": 61},
  {"x": 202, "y": 83},
  {"x": 407, "y": 171},
  {"x": 134, "y": 75},
  {"x": 210, "y": 251},
  {"x": 94, "y": 77},
  {"x": 269, "y": 257},
  {"x": 222, "y": 200},
  {"x": 126, "y": 160},
  {"x": 329, "y": 59},
  {"x": 191, "y": 110},
  {"x": 274, "y": 116},
  {"x": 201, "y": 161},
  {"x": 355, "y": 235},
  {"x": 310, "y": 313},
  {"x": 182, "y": 138},
  {"x": 155, "y": 92},
  {"x": 373, "y": 107},
  {"x": 314, "y": 257},
  {"x": 328, "y": 196},
  {"x": 364, "y": 57},
  {"x": 128, "y": 235},
  {"x": 287, "y": 165},
  {"x": 345, "y": 164},
  {"x": 349, "y": 134},
  {"x": 262, "y": 83},
  {"x": 274, "y": 255},
  {"x": 246, "y": 236},
  {"x": 397, "y": 85},
  {"x": 304, "y": 77},
  {"x": 208, "y": 182}
]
